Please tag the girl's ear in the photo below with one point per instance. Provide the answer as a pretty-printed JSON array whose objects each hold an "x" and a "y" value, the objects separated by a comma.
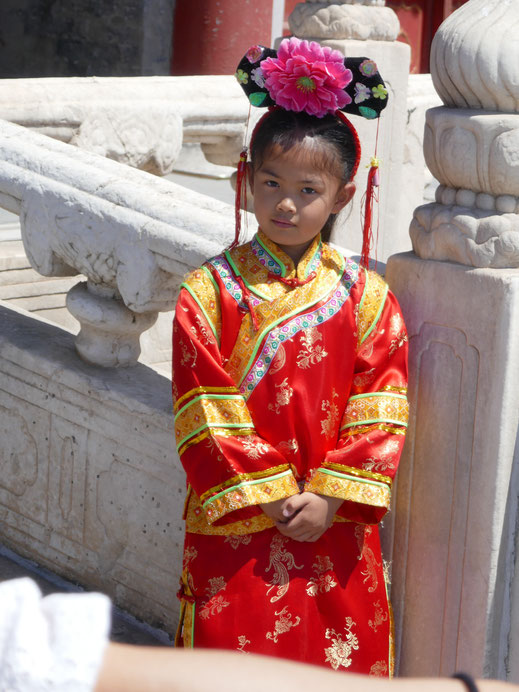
[
  {"x": 250, "y": 176},
  {"x": 344, "y": 195}
]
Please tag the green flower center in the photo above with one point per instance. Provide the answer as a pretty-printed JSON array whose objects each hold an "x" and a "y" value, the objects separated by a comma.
[{"x": 306, "y": 84}]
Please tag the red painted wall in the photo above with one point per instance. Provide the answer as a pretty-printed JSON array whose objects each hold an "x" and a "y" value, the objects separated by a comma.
[
  {"x": 210, "y": 36},
  {"x": 419, "y": 21}
]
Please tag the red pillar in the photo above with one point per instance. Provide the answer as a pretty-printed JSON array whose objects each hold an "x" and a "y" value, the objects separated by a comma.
[{"x": 211, "y": 36}]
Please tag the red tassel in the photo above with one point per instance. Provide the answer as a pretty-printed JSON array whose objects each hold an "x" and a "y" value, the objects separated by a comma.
[
  {"x": 371, "y": 196},
  {"x": 241, "y": 196}
]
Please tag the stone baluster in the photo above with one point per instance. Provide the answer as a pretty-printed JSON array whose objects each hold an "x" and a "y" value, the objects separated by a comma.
[
  {"x": 358, "y": 28},
  {"x": 456, "y": 503},
  {"x": 134, "y": 236}
]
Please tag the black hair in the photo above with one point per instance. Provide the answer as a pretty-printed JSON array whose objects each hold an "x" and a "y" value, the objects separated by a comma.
[{"x": 335, "y": 150}]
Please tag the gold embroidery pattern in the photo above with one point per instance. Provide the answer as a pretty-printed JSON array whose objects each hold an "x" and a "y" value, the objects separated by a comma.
[
  {"x": 279, "y": 557},
  {"x": 216, "y": 602},
  {"x": 283, "y": 396},
  {"x": 378, "y": 669},
  {"x": 253, "y": 493},
  {"x": 192, "y": 393},
  {"x": 283, "y": 625},
  {"x": 365, "y": 492},
  {"x": 366, "y": 554},
  {"x": 339, "y": 653},
  {"x": 363, "y": 379},
  {"x": 189, "y": 354},
  {"x": 279, "y": 360},
  {"x": 236, "y": 541},
  {"x": 201, "y": 285},
  {"x": 361, "y": 473},
  {"x": 376, "y": 408},
  {"x": 209, "y": 412},
  {"x": 380, "y": 617},
  {"x": 196, "y": 522},
  {"x": 254, "y": 448},
  {"x": 282, "y": 302},
  {"x": 398, "y": 342},
  {"x": 288, "y": 447},
  {"x": 397, "y": 323},
  {"x": 322, "y": 582},
  {"x": 203, "y": 334},
  {"x": 329, "y": 424},
  {"x": 375, "y": 293},
  {"x": 311, "y": 354},
  {"x": 242, "y": 643},
  {"x": 370, "y": 428},
  {"x": 243, "y": 478},
  {"x": 385, "y": 458}
]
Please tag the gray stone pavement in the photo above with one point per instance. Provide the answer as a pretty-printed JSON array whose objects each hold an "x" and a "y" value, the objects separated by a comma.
[{"x": 125, "y": 628}]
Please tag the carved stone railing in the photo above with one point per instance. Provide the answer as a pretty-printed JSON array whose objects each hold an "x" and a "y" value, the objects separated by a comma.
[
  {"x": 141, "y": 121},
  {"x": 134, "y": 236}
]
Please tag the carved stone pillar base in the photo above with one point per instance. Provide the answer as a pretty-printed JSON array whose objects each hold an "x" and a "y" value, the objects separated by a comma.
[
  {"x": 109, "y": 334},
  {"x": 455, "y": 505}
]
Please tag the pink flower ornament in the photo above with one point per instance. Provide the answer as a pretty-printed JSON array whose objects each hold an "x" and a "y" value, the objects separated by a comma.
[{"x": 307, "y": 77}]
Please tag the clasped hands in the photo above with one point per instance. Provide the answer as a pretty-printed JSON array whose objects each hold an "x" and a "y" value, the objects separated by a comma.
[{"x": 304, "y": 517}]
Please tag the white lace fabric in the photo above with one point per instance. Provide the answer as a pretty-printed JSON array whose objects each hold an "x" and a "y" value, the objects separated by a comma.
[{"x": 50, "y": 644}]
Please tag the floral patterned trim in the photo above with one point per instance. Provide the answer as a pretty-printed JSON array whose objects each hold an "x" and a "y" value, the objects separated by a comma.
[
  {"x": 371, "y": 304},
  {"x": 196, "y": 522},
  {"x": 314, "y": 258},
  {"x": 204, "y": 390},
  {"x": 251, "y": 493},
  {"x": 242, "y": 478},
  {"x": 364, "y": 491},
  {"x": 370, "y": 428},
  {"x": 379, "y": 407},
  {"x": 266, "y": 255},
  {"x": 362, "y": 473},
  {"x": 221, "y": 265},
  {"x": 211, "y": 411},
  {"x": 258, "y": 365}
]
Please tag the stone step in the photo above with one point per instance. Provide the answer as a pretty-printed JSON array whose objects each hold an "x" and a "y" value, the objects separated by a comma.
[{"x": 33, "y": 289}]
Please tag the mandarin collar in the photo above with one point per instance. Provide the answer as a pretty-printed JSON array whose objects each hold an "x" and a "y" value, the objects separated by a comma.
[{"x": 272, "y": 257}]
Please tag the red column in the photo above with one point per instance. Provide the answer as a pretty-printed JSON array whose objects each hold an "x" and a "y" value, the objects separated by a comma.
[{"x": 211, "y": 36}]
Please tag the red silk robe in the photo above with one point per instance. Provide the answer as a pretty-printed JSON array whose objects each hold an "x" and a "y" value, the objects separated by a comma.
[{"x": 287, "y": 379}]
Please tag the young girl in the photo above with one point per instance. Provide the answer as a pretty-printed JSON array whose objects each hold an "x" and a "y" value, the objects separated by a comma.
[{"x": 289, "y": 382}]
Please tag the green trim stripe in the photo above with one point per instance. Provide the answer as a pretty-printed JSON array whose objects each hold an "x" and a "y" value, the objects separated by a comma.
[
  {"x": 374, "y": 420},
  {"x": 195, "y": 298},
  {"x": 211, "y": 278},
  {"x": 281, "y": 264},
  {"x": 211, "y": 426},
  {"x": 258, "y": 481},
  {"x": 355, "y": 479},
  {"x": 249, "y": 286},
  {"x": 377, "y": 316},
  {"x": 208, "y": 396},
  {"x": 392, "y": 395}
]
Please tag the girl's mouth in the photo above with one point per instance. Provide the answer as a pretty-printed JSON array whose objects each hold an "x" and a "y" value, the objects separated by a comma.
[{"x": 282, "y": 223}]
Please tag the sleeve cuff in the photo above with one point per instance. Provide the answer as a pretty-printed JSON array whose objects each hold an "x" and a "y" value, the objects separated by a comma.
[
  {"x": 249, "y": 489},
  {"x": 373, "y": 489}
]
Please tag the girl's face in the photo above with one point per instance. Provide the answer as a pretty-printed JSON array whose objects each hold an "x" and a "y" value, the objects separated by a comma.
[{"x": 293, "y": 197}]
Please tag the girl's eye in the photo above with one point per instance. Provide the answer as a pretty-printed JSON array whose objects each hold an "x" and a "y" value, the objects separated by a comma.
[
  {"x": 271, "y": 183},
  {"x": 309, "y": 191}
]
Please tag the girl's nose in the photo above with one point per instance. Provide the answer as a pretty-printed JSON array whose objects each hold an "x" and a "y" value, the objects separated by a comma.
[{"x": 286, "y": 204}]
